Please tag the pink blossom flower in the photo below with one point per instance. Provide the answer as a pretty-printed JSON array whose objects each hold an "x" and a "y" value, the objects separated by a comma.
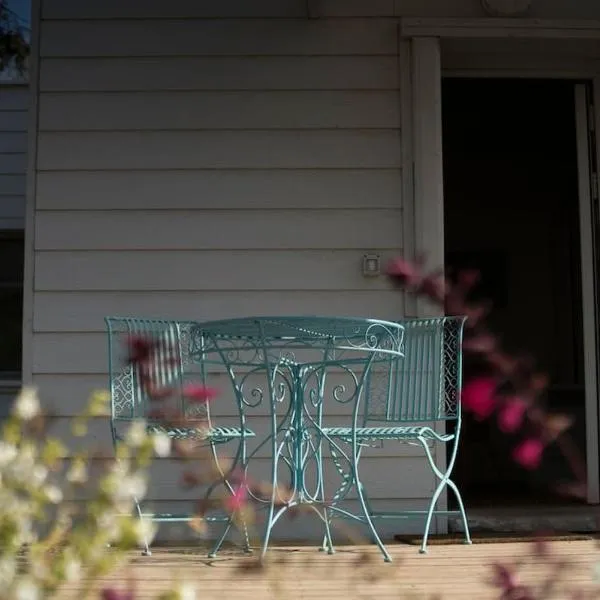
[
  {"x": 529, "y": 453},
  {"x": 139, "y": 348},
  {"x": 406, "y": 272},
  {"x": 479, "y": 397},
  {"x": 483, "y": 343},
  {"x": 541, "y": 547},
  {"x": 434, "y": 287},
  {"x": 504, "y": 578},
  {"x": 237, "y": 501},
  {"x": 507, "y": 580},
  {"x": 468, "y": 277},
  {"x": 511, "y": 415},
  {"x": 198, "y": 393}
]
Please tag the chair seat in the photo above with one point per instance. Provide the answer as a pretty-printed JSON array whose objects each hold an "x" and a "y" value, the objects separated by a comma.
[
  {"x": 385, "y": 433},
  {"x": 214, "y": 434}
]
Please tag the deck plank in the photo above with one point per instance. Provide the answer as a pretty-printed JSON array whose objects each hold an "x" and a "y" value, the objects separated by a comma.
[{"x": 447, "y": 572}]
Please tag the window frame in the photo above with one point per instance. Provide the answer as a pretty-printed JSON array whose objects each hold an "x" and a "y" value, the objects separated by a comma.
[{"x": 9, "y": 378}]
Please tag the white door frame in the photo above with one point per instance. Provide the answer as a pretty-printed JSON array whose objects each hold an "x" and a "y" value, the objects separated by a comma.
[
  {"x": 588, "y": 288},
  {"x": 425, "y": 166}
]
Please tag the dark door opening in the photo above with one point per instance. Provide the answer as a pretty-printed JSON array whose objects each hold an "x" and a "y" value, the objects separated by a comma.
[{"x": 511, "y": 211}]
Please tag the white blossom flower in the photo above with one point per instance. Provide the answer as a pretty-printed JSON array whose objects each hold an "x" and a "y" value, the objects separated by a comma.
[
  {"x": 77, "y": 473},
  {"x": 8, "y": 570},
  {"x": 26, "y": 589},
  {"x": 27, "y": 405},
  {"x": 38, "y": 475},
  {"x": 53, "y": 494},
  {"x": 133, "y": 486},
  {"x": 110, "y": 524},
  {"x": 162, "y": 444},
  {"x": 100, "y": 404},
  {"x": 73, "y": 569},
  {"x": 26, "y": 458},
  {"x": 120, "y": 468},
  {"x": 136, "y": 434},
  {"x": 38, "y": 568},
  {"x": 145, "y": 530},
  {"x": 8, "y": 452},
  {"x": 185, "y": 591}
]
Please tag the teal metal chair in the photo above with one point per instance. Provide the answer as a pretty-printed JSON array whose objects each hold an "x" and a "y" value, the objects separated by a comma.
[
  {"x": 177, "y": 359},
  {"x": 415, "y": 400}
]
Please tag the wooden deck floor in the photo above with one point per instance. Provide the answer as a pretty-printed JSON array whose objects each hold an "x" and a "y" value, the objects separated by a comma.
[{"x": 447, "y": 572}]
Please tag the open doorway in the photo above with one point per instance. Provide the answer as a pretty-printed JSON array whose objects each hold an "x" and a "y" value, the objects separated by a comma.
[{"x": 511, "y": 210}]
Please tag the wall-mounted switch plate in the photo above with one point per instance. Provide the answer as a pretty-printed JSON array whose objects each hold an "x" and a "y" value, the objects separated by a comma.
[{"x": 371, "y": 265}]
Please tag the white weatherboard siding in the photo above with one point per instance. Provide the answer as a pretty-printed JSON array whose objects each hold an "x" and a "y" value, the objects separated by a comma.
[
  {"x": 14, "y": 104},
  {"x": 237, "y": 166}
]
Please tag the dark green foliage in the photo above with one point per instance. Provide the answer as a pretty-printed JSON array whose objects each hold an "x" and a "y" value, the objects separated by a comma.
[{"x": 14, "y": 41}]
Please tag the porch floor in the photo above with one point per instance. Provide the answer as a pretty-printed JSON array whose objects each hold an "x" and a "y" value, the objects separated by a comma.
[
  {"x": 531, "y": 518},
  {"x": 453, "y": 571}
]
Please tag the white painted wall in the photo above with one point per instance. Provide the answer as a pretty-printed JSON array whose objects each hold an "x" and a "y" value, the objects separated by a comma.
[
  {"x": 239, "y": 166},
  {"x": 195, "y": 162},
  {"x": 14, "y": 104}
]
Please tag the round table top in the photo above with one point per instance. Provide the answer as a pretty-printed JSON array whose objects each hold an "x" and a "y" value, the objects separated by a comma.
[
  {"x": 297, "y": 327},
  {"x": 350, "y": 333}
]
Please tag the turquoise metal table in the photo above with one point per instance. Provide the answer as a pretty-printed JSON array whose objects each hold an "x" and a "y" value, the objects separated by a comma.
[{"x": 294, "y": 365}]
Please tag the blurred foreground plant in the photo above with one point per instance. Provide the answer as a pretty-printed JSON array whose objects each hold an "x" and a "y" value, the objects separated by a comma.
[{"x": 48, "y": 537}]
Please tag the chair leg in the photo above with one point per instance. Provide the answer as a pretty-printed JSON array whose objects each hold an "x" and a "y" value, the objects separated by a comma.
[
  {"x": 219, "y": 543},
  {"x": 327, "y": 545},
  {"x": 271, "y": 510},
  {"x": 217, "y": 546},
  {"x": 376, "y": 538},
  {"x": 341, "y": 492},
  {"x": 364, "y": 502},
  {"x": 444, "y": 481},
  {"x": 146, "y": 550},
  {"x": 461, "y": 508},
  {"x": 268, "y": 529},
  {"x": 432, "y": 503},
  {"x": 327, "y": 539}
]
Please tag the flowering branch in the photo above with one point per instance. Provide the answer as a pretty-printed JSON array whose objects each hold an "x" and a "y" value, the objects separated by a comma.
[{"x": 508, "y": 387}]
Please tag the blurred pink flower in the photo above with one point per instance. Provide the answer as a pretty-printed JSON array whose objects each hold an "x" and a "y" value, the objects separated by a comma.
[
  {"x": 478, "y": 397},
  {"x": 407, "y": 273},
  {"x": 468, "y": 277},
  {"x": 511, "y": 415},
  {"x": 483, "y": 343},
  {"x": 529, "y": 453},
  {"x": 507, "y": 580},
  {"x": 238, "y": 499},
  {"x": 504, "y": 577},
  {"x": 196, "y": 392},
  {"x": 139, "y": 349},
  {"x": 434, "y": 287}
]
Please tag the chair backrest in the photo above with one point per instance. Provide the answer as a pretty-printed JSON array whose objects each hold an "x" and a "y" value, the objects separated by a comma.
[
  {"x": 425, "y": 385},
  {"x": 170, "y": 365}
]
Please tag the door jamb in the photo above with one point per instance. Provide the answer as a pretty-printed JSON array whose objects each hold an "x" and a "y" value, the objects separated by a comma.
[
  {"x": 428, "y": 199},
  {"x": 590, "y": 347}
]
